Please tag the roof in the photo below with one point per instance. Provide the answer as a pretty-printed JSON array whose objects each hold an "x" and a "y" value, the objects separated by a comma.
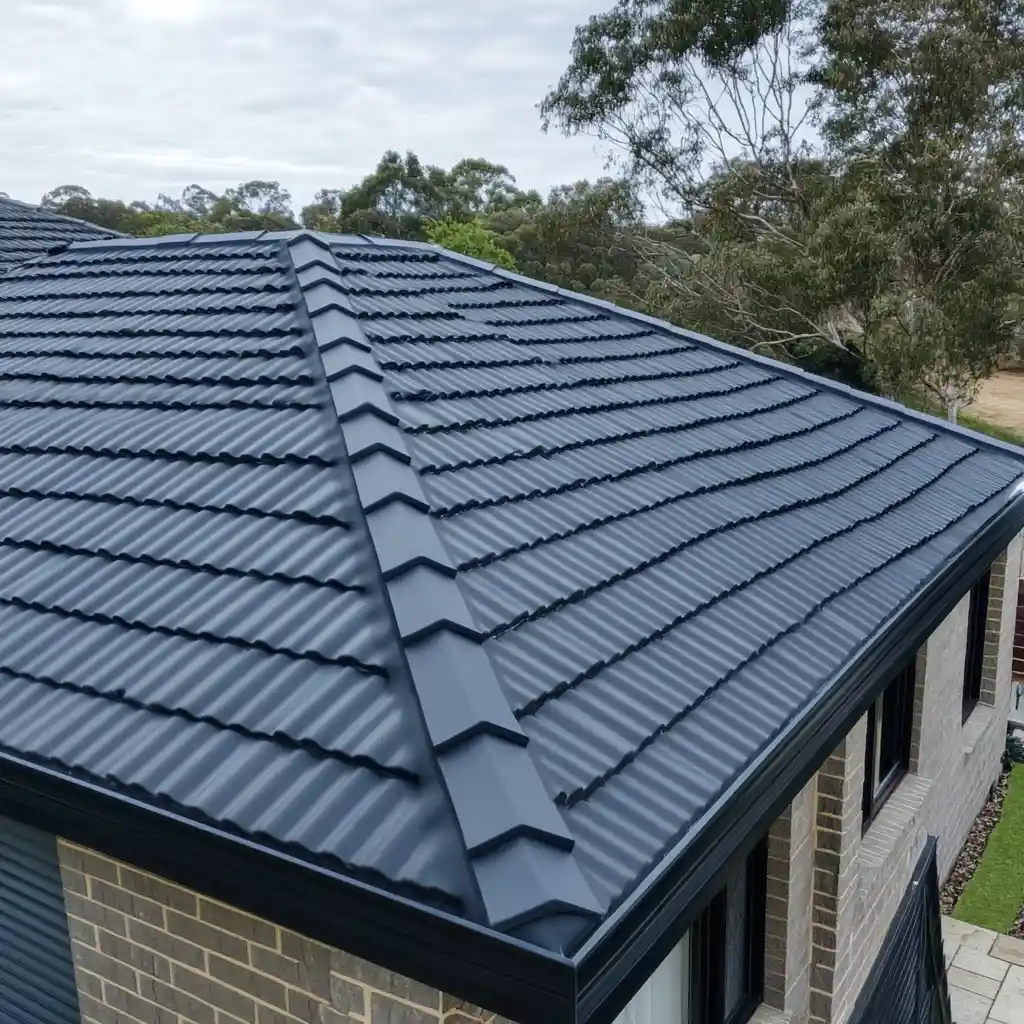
[
  {"x": 28, "y": 231},
  {"x": 453, "y": 584}
]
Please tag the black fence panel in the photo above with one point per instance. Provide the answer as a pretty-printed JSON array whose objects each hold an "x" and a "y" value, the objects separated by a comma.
[{"x": 907, "y": 984}]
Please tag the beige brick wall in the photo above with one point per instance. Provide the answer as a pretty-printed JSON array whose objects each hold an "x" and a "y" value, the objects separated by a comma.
[
  {"x": 147, "y": 951},
  {"x": 857, "y": 879}
]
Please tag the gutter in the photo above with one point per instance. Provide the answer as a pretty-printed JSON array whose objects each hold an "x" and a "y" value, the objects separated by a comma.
[
  {"x": 622, "y": 952},
  {"x": 518, "y": 980}
]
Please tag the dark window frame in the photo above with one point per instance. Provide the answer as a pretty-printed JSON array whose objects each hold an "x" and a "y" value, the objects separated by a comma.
[
  {"x": 889, "y": 740},
  {"x": 974, "y": 653},
  {"x": 709, "y": 945}
]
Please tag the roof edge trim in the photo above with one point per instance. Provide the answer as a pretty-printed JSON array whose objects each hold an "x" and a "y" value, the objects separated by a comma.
[
  {"x": 50, "y": 215},
  {"x": 493, "y": 787},
  {"x": 511, "y": 977},
  {"x": 625, "y": 948}
]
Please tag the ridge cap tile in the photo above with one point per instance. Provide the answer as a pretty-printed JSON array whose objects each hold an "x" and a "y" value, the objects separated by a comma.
[{"x": 493, "y": 785}]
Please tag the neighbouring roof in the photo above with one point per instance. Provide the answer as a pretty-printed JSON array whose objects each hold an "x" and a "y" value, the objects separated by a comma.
[
  {"x": 27, "y": 232},
  {"x": 448, "y": 582}
]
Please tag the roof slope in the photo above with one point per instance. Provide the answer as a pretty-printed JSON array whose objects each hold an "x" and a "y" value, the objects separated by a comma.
[
  {"x": 470, "y": 588},
  {"x": 27, "y": 232},
  {"x": 189, "y": 606}
]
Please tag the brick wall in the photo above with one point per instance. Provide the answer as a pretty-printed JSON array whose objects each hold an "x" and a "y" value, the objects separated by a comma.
[
  {"x": 1018, "y": 645},
  {"x": 788, "y": 907},
  {"x": 147, "y": 951},
  {"x": 853, "y": 880}
]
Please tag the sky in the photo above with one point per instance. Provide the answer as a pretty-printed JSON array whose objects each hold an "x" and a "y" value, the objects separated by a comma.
[{"x": 131, "y": 98}]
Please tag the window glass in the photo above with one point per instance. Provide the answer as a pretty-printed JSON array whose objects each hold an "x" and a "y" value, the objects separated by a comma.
[
  {"x": 665, "y": 997},
  {"x": 714, "y": 975},
  {"x": 887, "y": 756},
  {"x": 737, "y": 960},
  {"x": 974, "y": 655}
]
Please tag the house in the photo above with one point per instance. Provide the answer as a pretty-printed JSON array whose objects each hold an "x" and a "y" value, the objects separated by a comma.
[
  {"x": 27, "y": 232},
  {"x": 387, "y": 637}
]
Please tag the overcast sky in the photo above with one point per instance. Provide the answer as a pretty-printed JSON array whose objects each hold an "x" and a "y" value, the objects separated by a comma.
[{"x": 131, "y": 98}]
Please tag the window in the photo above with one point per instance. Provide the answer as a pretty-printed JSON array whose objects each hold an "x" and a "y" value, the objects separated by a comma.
[
  {"x": 974, "y": 662},
  {"x": 888, "y": 748},
  {"x": 714, "y": 975}
]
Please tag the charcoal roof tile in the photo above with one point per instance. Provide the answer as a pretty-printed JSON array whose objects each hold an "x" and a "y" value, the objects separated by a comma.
[
  {"x": 455, "y": 582},
  {"x": 27, "y": 232}
]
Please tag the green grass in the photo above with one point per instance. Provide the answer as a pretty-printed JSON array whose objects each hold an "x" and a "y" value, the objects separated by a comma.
[
  {"x": 974, "y": 422},
  {"x": 971, "y": 420},
  {"x": 995, "y": 894}
]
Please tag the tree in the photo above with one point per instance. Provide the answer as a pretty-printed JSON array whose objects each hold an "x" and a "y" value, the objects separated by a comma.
[
  {"x": 580, "y": 238},
  {"x": 400, "y": 197},
  {"x": 891, "y": 242},
  {"x": 471, "y": 238}
]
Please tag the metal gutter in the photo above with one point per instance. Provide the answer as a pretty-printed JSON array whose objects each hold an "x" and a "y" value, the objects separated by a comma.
[
  {"x": 627, "y": 946},
  {"x": 520, "y": 981}
]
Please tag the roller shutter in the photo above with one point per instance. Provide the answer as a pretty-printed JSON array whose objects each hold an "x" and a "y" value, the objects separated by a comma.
[{"x": 37, "y": 983}]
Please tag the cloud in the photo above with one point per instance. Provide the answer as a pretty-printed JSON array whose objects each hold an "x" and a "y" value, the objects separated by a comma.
[
  {"x": 146, "y": 96},
  {"x": 168, "y": 12}
]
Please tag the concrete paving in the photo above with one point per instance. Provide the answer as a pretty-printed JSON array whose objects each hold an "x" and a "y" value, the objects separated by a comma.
[{"x": 985, "y": 972}]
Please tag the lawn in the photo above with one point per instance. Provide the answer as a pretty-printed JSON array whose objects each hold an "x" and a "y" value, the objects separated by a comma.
[
  {"x": 975, "y": 422},
  {"x": 994, "y": 896}
]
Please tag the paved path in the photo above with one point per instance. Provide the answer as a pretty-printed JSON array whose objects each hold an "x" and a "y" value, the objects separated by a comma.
[{"x": 986, "y": 974}]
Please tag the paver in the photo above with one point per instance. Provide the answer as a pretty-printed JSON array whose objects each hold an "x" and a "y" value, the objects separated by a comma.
[
  {"x": 976, "y": 962},
  {"x": 971, "y": 982},
  {"x": 1008, "y": 1007},
  {"x": 969, "y": 1008}
]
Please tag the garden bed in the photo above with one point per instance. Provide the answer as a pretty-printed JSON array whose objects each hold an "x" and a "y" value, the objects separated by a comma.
[
  {"x": 974, "y": 846},
  {"x": 986, "y": 887}
]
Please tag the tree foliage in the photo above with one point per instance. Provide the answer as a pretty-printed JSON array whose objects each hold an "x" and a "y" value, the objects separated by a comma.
[
  {"x": 252, "y": 206},
  {"x": 886, "y": 249},
  {"x": 471, "y": 238}
]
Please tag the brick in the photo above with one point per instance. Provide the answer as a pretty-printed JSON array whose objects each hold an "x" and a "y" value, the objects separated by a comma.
[
  {"x": 88, "y": 863},
  {"x": 127, "y": 903},
  {"x": 74, "y": 881},
  {"x": 191, "y": 1009},
  {"x": 821, "y": 1006},
  {"x": 214, "y": 993},
  {"x": 83, "y": 931},
  {"x": 268, "y": 1015},
  {"x": 92, "y": 960},
  {"x": 90, "y": 984},
  {"x": 384, "y": 980},
  {"x": 265, "y": 989},
  {"x": 303, "y": 1006},
  {"x": 386, "y": 1011},
  {"x": 136, "y": 956},
  {"x": 159, "y": 891},
  {"x": 312, "y": 958},
  {"x": 95, "y": 913},
  {"x": 334, "y": 1017},
  {"x": 238, "y": 923},
  {"x": 347, "y": 996},
  {"x": 137, "y": 1007},
  {"x": 171, "y": 946},
  {"x": 206, "y": 936},
  {"x": 451, "y": 1003},
  {"x": 95, "y": 1011}
]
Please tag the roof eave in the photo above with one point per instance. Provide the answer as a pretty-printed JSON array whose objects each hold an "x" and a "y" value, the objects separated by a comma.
[
  {"x": 518, "y": 980},
  {"x": 623, "y": 951}
]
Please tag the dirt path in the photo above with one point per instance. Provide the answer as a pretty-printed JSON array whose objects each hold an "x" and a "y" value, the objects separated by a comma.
[{"x": 1002, "y": 400}]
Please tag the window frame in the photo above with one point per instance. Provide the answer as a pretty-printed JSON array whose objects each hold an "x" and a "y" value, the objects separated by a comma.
[
  {"x": 877, "y": 792},
  {"x": 709, "y": 944},
  {"x": 707, "y": 967},
  {"x": 974, "y": 648}
]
